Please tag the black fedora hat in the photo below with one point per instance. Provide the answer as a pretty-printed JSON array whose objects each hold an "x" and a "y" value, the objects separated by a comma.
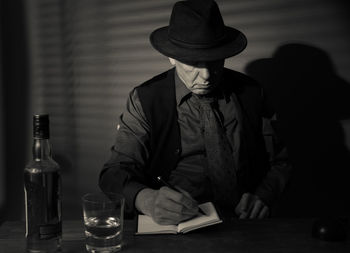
[{"x": 197, "y": 32}]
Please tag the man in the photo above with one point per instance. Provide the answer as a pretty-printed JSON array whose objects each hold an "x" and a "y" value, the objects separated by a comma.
[{"x": 198, "y": 126}]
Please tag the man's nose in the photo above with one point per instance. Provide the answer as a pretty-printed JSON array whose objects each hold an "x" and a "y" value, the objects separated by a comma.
[{"x": 204, "y": 73}]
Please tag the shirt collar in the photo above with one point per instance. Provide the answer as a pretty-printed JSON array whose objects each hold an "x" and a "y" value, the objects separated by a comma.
[{"x": 183, "y": 93}]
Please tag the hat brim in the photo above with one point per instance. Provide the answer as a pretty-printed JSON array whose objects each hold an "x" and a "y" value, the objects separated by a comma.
[{"x": 234, "y": 43}]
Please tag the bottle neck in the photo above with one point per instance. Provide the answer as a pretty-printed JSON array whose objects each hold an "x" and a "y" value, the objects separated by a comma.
[{"x": 41, "y": 149}]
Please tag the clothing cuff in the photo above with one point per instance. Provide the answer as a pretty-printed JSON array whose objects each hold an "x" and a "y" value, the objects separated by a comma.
[
  {"x": 265, "y": 195},
  {"x": 130, "y": 192}
]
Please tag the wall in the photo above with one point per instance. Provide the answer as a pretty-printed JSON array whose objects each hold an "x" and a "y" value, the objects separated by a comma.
[
  {"x": 14, "y": 82},
  {"x": 87, "y": 55}
]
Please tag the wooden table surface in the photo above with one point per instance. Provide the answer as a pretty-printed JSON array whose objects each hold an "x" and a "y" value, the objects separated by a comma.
[{"x": 270, "y": 235}]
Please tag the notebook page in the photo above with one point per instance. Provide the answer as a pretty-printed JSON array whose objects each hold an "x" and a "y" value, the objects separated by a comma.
[
  {"x": 146, "y": 225},
  {"x": 210, "y": 218}
]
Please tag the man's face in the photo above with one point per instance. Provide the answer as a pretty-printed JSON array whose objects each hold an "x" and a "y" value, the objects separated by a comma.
[{"x": 199, "y": 77}]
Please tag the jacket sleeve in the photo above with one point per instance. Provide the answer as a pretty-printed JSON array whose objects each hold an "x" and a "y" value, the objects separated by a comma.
[
  {"x": 124, "y": 172},
  {"x": 276, "y": 179}
]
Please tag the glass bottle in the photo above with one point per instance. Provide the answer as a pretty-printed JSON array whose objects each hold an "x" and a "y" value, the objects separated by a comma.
[{"x": 42, "y": 188}]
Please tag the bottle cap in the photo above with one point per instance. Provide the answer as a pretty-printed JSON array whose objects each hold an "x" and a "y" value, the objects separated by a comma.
[{"x": 41, "y": 126}]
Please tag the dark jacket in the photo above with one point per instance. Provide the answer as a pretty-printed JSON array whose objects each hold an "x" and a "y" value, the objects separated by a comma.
[{"x": 158, "y": 101}]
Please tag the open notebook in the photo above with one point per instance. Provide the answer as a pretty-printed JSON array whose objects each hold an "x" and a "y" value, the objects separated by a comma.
[{"x": 147, "y": 226}]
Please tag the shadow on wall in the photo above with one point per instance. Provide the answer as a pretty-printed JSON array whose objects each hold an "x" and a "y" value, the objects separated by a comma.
[{"x": 310, "y": 100}]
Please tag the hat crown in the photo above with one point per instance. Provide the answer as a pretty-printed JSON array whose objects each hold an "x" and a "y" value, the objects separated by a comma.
[
  {"x": 196, "y": 24},
  {"x": 196, "y": 32}
]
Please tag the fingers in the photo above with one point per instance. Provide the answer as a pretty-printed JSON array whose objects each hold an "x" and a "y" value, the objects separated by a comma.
[
  {"x": 245, "y": 202},
  {"x": 172, "y": 207},
  {"x": 183, "y": 198},
  {"x": 187, "y": 199},
  {"x": 258, "y": 205},
  {"x": 244, "y": 206},
  {"x": 264, "y": 213},
  {"x": 167, "y": 217},
  {"x": 252, "y": 207}
]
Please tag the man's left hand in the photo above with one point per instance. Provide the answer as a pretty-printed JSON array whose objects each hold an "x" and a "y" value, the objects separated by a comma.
[{"x": 251, "y": 207}]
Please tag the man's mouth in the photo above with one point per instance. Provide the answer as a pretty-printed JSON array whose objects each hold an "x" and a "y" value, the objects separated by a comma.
[{"x": 203, "y": 86}]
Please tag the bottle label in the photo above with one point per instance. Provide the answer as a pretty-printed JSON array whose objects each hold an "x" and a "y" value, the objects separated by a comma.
[
  {"x": 49, "y": 231},
  {"x": 43, "y": 205}
]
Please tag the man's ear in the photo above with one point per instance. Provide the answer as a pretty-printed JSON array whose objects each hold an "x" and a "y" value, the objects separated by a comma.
[{"x": 172, "y": 61}]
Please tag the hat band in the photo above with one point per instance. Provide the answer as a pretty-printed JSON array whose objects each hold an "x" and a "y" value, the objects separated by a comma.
[{"x": 197, "y": 45}]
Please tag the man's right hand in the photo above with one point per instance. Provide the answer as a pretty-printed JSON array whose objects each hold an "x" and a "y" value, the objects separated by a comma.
[{"x": 166, "y": 206}]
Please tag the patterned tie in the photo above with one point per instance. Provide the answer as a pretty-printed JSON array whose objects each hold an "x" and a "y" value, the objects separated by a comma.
[{"x": 221, "y": 170}]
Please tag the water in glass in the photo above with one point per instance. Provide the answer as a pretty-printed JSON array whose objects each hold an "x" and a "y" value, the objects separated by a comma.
[{"x": 103, "y": 234}]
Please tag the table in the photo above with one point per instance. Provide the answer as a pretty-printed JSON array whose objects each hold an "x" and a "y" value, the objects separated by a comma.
[{"x": 269, "y": 235}]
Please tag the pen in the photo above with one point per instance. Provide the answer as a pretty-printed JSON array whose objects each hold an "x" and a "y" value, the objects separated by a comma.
[{"x": 161, "y": 180}]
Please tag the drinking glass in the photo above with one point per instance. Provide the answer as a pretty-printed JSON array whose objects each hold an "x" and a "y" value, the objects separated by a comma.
[{"x": 103, "y": 220}]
